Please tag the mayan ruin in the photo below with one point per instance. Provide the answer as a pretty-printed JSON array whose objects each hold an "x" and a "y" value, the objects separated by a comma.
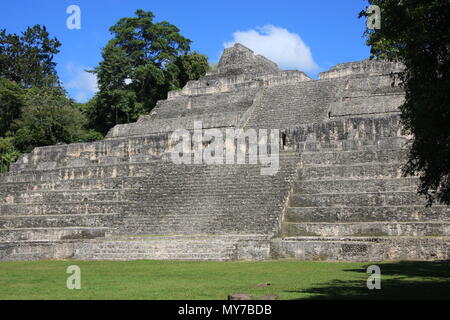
[{"x": 338, "y": 193}]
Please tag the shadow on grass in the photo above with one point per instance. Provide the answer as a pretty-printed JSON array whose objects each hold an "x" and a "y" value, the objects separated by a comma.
[{"x": 399, "y": 280}]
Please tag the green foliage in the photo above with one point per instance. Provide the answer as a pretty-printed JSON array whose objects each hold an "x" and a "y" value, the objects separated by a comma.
[
  {"x": 48, "y": 118},
  {"x": 28, "y": 59},
  {"x": 143, "y": 61},
  {"x": 11, "y": 103},
  {"x": 34, "y": 109},
  {"x": 417, "y": 33},
  {"x": 90, "y": 135},
  {"x": 8, "y": 153},
  {"x": 110, "y": 107},
  {"x": 188, "y": 67}
]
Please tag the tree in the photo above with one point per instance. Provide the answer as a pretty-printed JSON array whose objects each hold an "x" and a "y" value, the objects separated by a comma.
[
  {"x": 188, "y": 67},
  {"x": 34, "y": 108},
  {"x": 48, "y": 118},
  {"x": 111, "y": 107},
  {"x": 417, "y": 33},
  {"x": 143, "y": 61},
  {"x": 11, "y": 103},
  {"x": 28, "y": 59},
  {"x": 8, "y": 153}
]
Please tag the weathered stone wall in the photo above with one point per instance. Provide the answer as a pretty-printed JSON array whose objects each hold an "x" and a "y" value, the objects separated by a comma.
[
  {"x": 110, "y": 151},
  {"x": 365, "y": 68}
]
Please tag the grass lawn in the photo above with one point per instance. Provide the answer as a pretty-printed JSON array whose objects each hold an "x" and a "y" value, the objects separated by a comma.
[{"x": 215, "y": 280}]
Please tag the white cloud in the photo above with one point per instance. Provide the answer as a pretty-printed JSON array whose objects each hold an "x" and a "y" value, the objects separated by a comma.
[
  {"x": 82, "y": 84},
  {"x": 285, "y": 48}
]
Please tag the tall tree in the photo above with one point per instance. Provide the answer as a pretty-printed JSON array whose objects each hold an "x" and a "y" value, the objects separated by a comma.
[
  {"x": 34, "y": 108},
  {"x": 143, "y": 61},
  {"x": 417, "y": 33},
  {"x": 28, "y": 59}
]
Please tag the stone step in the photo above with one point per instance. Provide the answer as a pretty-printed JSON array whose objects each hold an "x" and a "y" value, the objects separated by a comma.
[
  {"x": 126, "y": 247},
  {"x": 177, "y": 223},
  {"x": 373, "y": 170},
  {"x": 77, "y": 185},
  {"x": 354, "y": 185},
  {"x": 127, "y": 256},
  {"x": 95, "y": 184},
  {"x": 179, "y": 237},
  {"x": 50, "y": 196},
  {"x": 358, "y": 125},
  {"x": 159, "y": 170},
  {"x": 361, "y": 249},
  {"x": 37, "y": 250},
  {"x": 93, "y": 172},
  {"x": 387, "y": 143},
  {"x": 366, "y": 229},
  {"x": 136, "y": 158},
  {"x": 63, "y": 208},
  {"x": 194, "y": 188},
  {"x": 194, "y": 247},
  {"x": 118, "y": 162},
  {"x": 368, "y": 214},
  {"x": 323, "y": 158},
  {"x": 183, "y": 182},
  {"x": 52, "y": 234},
  {"x": 159, "y": 196},
  {"x": 360, "y": 199},
  {"x": 205, "y": 218},
  {"x": 57, "y": 221},
  {"x": 156, "y": 208}
]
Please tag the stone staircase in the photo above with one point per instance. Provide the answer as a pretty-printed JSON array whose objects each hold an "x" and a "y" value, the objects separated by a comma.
[
  {"x": 150, "y": 209},
  {"x": 350, "y": 202}
]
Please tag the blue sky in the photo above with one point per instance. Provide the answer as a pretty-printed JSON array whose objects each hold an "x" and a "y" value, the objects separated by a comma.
[{"x": 308, "y": 35}]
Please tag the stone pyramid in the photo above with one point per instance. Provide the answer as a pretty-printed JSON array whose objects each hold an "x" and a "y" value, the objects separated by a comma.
[{"x": 338, "y": 194}]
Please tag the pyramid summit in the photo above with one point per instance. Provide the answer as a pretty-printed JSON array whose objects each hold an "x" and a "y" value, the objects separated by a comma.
[
  {"x": 338, "y": 194},
  {"x": 240, "y": 59}
]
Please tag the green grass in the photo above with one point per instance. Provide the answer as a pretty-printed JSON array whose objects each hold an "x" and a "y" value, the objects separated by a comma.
[{"x": 215, "y": 280}]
